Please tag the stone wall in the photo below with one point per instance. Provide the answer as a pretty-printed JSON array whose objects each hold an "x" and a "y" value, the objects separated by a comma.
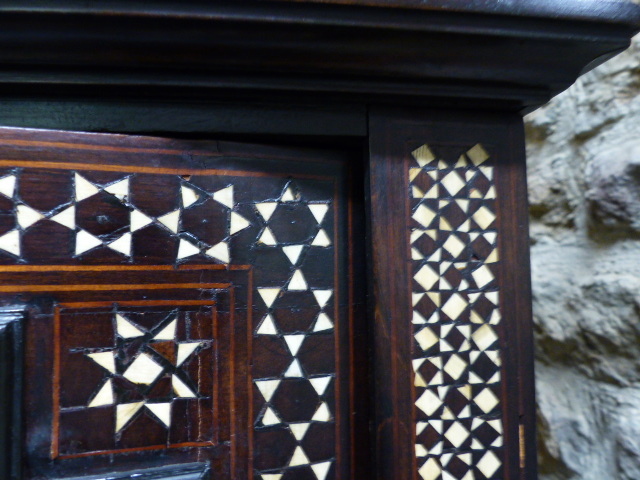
[{"x": 584, "y": 190}]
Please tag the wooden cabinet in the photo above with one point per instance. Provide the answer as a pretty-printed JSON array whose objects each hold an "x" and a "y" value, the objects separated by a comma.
[{"x": 290, "y": 244}]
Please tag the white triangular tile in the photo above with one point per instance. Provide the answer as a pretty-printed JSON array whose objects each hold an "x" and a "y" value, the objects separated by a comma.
[
  {"x": 122, "y": 244},
  {"x": 320, "y": 384},
  {"x": 224, "y": 196},
  {"x": 126, "y": 329},
  {"x": 267, "y": 237},
  {"x": 105, "y": 359},
  {"x": 267, "y": 388},
  {"x": 186, "y": 249},
  {"x": 288, "y": 196},
  {"x": 124, "y": 413},
  {"x": 85, "y": 242},
  {"x": 220, "y": 251},
  {"x": 180, "y": 389},
  {"x": 162, "y": 411},
  {"x": 297, "y": 282},
  {"x": 322, "y": 296},
  {"x": 270, "y": 417},
  {"x": 294, "y": 342},
  {"x": 84, "y": 188},
  {"x": 299, "y": 430},
  {"x": 417, "y": 319},
  {"x": 416, "y": 255},
  {"x": 168, "y": 332},
  {"x": 267, "y": 327},
  {"x": 266, "y": 209},
  {"x": 420, "y": 426},
  {"x": 139, "y": 220},
  {"x": 293, "y": 252},
  {"x": 269, "y": 295},
  {"x": 294, "y": 370},
  {"x": 189, "y": 196},
  {"x": 318, "y": 210},
  {"x": 321, "y": 239},
  {"x": 104, "y": 396},
  {"x": 299, "y": 458},
  {"x": 238, "y": 223},
  {"x": 170, "y": 220},
  {"x": 322, "y": 413},
  {"x": 66, "y": 217},
  {"x": 185, "y": 350},
  {"x": 8, "y": 186},
  {"x": 10, "y": 242},
  {"x": 27, "y": 216},
  {"x": 120, "y": 189},
  {"x": 321, "y": 470},
  {"x": 271, "y": 476},
  {"x": 323, "y": 323}
]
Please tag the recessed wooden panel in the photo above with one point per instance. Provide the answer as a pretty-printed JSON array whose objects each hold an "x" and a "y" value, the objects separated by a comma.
[{"x": 188, "y": 301}]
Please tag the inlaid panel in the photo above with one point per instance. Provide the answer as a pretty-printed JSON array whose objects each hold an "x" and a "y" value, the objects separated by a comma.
[
  {"x": 456, "y": 311},
  {"x": 182, "y": 300},
  {"x": 452, "y": 317}
]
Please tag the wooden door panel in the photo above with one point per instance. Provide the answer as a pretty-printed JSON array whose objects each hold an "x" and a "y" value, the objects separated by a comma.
[{"x": 186, "y": 302}]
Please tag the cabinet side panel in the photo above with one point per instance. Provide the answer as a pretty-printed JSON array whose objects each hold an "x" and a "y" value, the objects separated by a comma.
[{"x": 452, "y": 321}]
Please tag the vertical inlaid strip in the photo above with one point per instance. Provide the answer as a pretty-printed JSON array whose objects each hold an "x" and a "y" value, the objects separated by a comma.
[{"x": 456, "y": 313}]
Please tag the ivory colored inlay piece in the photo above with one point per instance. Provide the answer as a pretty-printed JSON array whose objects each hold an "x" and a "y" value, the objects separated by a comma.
[
  {"x": 85, "y": 242},
  {"x": 288, "y": 195},
  {"x": 168, "y": 332},
  {"x": 189, "y": 196},
  {"x": 269, "y": 295},
  {"x": 267, "y": 388},
  {"x": 319, "y": 210},
  {"x": 105, "y": 359},
  {"x": 84, "y": 188},
  {"x": 186, "y": 249},
  {"x": 8, "y": 186},
  {"x": 320, "y": 384},
  {"x": 270, "y": 417},
  {"x": 119, "y": 189},
  {"x": 267, "y": 327},
  {"x": 238, "y": 223},
  {"x": 185, "y": 350},
  {"x": 171, "y": 220},
  {"x": 219, "y": 251},
  {"x": 294, "y": 370},
  {"x": 323, "y": 323},
  {"x": 267, "y": 237},
  {"x": 143, "y": 370},
  {"x": 10, "y": 242},
  {"x": 162, "y": 411},
  {"x": 126, "y": 328},
  {"x": 299, "y": 429},
  {"x": 321, "y": 469},
  {"x": 139, "y": 220},
  {"x": 180, "y": 388},
  {"x": 294, "y": 342},
  {"x": 66, "y": 217},
  {"x": 27, "y": 216},
  {"x": 266, "y": 209},
  {"x": 322, "y": 296},
  {"x": 122, "y": 244},
  {"x": 224, "y": 196},
  {"x": 124, "y": 413},
  {"x": 297, "y": 282},
  {"x": 322, "y": 413},
  {"x": 321, "y": 239},
  {"x": 104, "y": 396},
  {"x": 293, "y": 252},
  {"x": 299, "y": 458}
]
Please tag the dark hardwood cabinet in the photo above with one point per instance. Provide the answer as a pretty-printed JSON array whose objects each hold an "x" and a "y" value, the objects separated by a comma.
[{"x": 274, "y": 240}]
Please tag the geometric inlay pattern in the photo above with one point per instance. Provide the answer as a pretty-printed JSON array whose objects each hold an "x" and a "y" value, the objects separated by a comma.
[
  {"x": 140, "y": 369},
  {"x": 283, "y": 229},
  {"x": 297, "y": 395},
  {"x": 456, "y": 352}
]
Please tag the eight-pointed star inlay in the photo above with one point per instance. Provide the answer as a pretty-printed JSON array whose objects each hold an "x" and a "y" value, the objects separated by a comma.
[{"x": 138, "y": 361}]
